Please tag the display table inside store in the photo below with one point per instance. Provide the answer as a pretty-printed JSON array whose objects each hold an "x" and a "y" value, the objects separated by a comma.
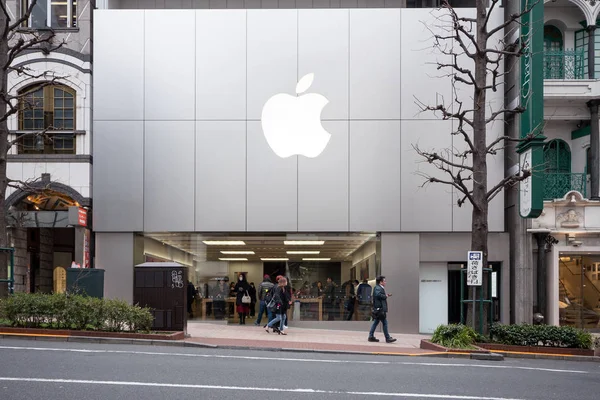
[
  {"x": 317, "y": 300},
  {"x": 228, "y": 301}
]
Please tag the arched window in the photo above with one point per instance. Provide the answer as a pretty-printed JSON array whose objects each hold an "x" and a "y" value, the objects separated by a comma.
[
  {"x": 557, "y": 157},
  {"x": 49, "y": 108},
  {"x": 553, "y": 53}
]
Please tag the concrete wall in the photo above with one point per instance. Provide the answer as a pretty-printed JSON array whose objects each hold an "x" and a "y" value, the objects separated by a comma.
[
  {"x": 114, "y": 254},
  {"x": 217, "y": 167}
]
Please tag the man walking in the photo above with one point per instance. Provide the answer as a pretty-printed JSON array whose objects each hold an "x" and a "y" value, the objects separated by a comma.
[
  {"x": 263, "y": 288},
  {"x": 380, "y": 310}
]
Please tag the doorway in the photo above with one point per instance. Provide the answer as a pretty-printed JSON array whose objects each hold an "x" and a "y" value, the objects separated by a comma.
[{"x": 456, "y": 278}]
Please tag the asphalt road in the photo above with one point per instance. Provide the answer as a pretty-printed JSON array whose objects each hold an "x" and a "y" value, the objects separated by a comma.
[{"x": 31, "y": 370}]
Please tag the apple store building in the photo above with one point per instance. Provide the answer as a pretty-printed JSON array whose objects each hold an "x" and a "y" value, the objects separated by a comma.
[{"x": 282, "y": 142}]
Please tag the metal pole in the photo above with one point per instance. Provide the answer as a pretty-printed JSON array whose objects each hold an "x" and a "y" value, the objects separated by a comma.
[
  {"x": 11, "y": 284},
  {"x": 462, "y": 297},
  {"x": 474, "y": 306}
]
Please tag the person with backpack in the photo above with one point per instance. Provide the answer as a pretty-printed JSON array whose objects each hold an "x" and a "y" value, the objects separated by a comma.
[
  {"x": 279, "y": 304},
  {"x": 265, "y": 286}
]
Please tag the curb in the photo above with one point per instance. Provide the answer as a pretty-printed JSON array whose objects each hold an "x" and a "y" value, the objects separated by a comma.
[{"x": 493, "y": 356}]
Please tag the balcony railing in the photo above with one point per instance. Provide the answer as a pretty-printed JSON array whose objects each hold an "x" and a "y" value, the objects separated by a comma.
[
  {"x": 557, "y": 185},
  {"x": 564, "y": 64}
]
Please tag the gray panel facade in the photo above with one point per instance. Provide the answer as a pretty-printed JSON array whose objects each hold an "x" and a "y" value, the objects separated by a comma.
[
  {"x": 355, "y": 58},
  {"x": 220, "y": 176},
  {"x": 169, "y": 176},
  {"x": 374, "y": 176},
  {"x": 114, "y": 254},
  {"x": 119, "y": 179}
]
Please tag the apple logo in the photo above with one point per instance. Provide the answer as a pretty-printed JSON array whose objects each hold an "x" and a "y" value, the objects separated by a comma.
[{"x": 292, "y": 124}]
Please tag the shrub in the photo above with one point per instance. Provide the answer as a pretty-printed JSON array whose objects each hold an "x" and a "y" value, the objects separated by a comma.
[
  {"x": 68, "y": 311},
  {"x": 456, "y": 336},
  {"x": 541, "y": 335}
]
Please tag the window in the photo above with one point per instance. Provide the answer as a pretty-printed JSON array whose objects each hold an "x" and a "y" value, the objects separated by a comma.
[
  {"x": 51, "y": 14},
  {"x": 49, "y": 107},
  {"x": 557, "y": 156}
]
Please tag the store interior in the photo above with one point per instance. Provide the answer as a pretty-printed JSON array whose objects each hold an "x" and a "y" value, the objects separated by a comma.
[
  {"x": 214, "y": 262},
  {"x": 579, "y": 290}
]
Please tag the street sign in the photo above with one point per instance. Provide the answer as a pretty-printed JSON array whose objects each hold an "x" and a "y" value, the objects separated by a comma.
[{"x": 475, "y": 268}]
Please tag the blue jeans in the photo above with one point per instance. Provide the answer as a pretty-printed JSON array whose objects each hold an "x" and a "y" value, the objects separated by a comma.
[
  {"x": 278, "y": 318},
  {"x": 385, "y": 328},
  {"x": 263, "y": 309}
]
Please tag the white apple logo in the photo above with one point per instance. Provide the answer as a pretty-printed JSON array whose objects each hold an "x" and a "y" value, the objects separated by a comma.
[{"x": 292, "y": 124}]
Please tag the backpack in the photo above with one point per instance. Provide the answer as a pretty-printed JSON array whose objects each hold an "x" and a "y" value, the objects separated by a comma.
[{"x": 269, "y": 295}]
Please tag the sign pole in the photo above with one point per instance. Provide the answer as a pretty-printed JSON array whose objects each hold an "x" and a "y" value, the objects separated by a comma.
[{"x": 474, "y": 306}]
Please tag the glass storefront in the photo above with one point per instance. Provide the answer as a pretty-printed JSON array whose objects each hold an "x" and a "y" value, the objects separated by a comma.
[
  {"x": 579, "y": 290},
  {"x": 331, "y": 275}
]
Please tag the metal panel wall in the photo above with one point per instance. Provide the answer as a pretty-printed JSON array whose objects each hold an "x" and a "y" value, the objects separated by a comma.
[
  {"x": 118, "y": 175},
  {"x": 217, "y": 175}
]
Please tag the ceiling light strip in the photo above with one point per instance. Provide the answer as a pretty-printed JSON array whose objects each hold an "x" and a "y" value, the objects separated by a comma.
[
  {"x": 237, "y": 252},
  {"x": 315, "y": 259},
  {"x": 303, "y": 252},
  {"x": 304, "y": 242},
  {"x": 224, "y": 242},
  {"x": 233, "y": 259},
  {"x": 274, "y": 259}
]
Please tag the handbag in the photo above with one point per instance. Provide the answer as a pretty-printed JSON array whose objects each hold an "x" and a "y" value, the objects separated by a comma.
[{"x": 246, "y": 298}]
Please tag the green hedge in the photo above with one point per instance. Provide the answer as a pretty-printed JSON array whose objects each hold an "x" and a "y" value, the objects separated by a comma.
[
  {"x": 455, "y": 336},
  {"x": 541, "y": 335},
  {"x": 66, "y": 311}
]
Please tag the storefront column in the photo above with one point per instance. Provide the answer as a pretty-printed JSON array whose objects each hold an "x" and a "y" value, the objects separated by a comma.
[
  {"x": 595, "y": 150},
  {"x": 114, "y": 254},
  {"x": 541, "y": 273},
  {"x": 400, "y": 258}
]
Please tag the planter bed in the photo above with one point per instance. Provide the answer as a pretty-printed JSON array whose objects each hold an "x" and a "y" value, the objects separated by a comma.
[
  {"x": 537, "y": 349},
  {"x": 428, "y": 345},
  {"x": 98, "y": 334}
]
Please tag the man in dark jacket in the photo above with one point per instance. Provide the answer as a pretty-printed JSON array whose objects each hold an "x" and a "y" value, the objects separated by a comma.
[
  {"x": 263, "y": 288},
  {"x": 380, "y": 310}
]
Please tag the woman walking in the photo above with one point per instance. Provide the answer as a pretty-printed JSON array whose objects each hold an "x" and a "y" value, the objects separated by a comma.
[
  {"x": 241, "y": 289},
  {"x": 281, "y": 299}
]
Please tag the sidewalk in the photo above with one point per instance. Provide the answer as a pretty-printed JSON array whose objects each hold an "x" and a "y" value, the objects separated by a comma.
[{"x": 254, "y": 337}]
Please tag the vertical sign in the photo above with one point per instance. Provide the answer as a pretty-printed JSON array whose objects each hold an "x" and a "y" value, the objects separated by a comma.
[
  {"x": 475, "y": 268},
  {"x": 86, "y": 249},
  {"x": 531, "y": 197}
]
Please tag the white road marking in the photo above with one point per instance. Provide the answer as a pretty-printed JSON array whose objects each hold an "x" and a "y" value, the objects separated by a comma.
[
  {"x": 327, "y": 361},
  {"x": 254, "y": 389}
]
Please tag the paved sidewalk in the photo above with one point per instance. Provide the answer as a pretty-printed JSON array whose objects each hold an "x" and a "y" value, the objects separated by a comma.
[{"x": 250, "y": 336}]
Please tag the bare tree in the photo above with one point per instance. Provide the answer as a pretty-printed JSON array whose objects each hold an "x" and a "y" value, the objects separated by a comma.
[
  {"x": 477, "y": 55},
  {"x": 15, "y": 42}
]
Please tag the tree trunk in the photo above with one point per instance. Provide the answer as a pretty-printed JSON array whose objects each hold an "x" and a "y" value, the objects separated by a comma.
[
  {"x": 479, "y": 222},
  {"x": 3, "y": 154}
]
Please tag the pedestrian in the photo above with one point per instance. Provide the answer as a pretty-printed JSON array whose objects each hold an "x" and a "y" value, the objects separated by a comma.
[
  {"x": 263, "y": 288},
  {"x": 380, "y": 309},
  {"x": 241, "y": 289},
  {"x": 281, "y": 300},
  {"x": 191, "y": 293},
  {"x": 329, "y": 299},
  {"x": 252, "y": 292},
  {"x": 350, "y": 299}
]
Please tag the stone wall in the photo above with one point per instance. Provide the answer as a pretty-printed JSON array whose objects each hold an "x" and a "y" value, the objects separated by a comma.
[{"x": 19, "y": 239}]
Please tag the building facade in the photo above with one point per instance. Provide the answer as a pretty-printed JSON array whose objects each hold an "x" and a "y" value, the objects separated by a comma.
[
  {"x": 52, "y": 152},
  {"x": 189, "y": 165},
  {"x": 565, "y": 238}
]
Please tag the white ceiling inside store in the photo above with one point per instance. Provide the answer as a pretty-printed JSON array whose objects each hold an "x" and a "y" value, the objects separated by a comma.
[{"x": 337, "y": 247}]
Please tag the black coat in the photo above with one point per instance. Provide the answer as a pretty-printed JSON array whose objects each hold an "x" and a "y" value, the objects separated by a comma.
[
  {"x": 252, "y": 293},
  {"x": 380, "y": 298},
  {"x": 240, "y": 290}
]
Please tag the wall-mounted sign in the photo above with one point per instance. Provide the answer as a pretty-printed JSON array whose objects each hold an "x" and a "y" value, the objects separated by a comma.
[{"x": 77, "y": 216}]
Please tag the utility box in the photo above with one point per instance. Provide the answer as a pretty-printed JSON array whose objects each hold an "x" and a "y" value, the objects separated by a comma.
[
  {"x": 162, "y": 286},
  {"x": 85, "y": 281}
]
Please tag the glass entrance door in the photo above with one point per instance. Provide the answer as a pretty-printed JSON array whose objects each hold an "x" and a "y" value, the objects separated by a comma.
[{"x": 579, "y": 291}]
